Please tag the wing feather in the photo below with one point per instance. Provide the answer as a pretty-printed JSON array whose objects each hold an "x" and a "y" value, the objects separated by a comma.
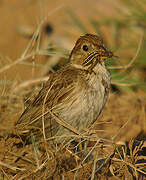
[{"x": 57, "y": 90}]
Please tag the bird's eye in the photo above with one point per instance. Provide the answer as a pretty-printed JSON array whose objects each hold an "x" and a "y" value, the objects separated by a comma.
[{"x": 85, "y": 47}]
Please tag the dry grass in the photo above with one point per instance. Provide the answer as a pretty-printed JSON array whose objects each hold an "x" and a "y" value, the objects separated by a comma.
[
  {"x": 113, "y": 148},
  {"x": 105, "y": 154}
]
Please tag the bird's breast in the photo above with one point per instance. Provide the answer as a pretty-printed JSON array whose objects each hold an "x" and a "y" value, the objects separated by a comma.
[{"x": 87, "y": 104}]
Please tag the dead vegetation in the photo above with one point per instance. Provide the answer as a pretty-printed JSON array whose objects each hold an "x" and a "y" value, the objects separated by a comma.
[
  {"x": 109, "y": 150},
  {"x": 113, "y": 148}
]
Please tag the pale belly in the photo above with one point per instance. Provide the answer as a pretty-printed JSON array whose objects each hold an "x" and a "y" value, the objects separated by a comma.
[{"x": 85, "y": 109}]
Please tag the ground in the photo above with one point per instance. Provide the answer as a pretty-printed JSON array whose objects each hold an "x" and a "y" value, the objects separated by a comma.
[{"x": 116, "y": 142}]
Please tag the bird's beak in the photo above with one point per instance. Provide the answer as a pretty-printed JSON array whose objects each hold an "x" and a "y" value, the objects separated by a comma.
[
  {"x": 106, "y": 54},
  {"x": 110, "y": 54}
]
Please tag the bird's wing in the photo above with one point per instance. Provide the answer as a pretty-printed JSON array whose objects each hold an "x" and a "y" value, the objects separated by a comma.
[{"x": 57, "y": 90}]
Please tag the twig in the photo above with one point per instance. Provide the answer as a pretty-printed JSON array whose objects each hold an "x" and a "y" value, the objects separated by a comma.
[
  {"x": 16, "y": 62},
  {"x": 94, "y": 167},
  {"x": 133, "y": 59},
  {"x": 22, "y": 157},
  {"x": 35, "y": 149},
  {"x": 92, "y": 149},
  {"x": 11, "y": 167},
  {"x": 30, "y": 82},
  {"x": 129, "y": 164},
  {"x": 121, "y": 128},
  {"x": 123, "y": 84}
]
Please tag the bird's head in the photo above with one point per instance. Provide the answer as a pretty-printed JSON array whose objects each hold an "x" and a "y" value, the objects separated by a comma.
[{"x": 88, "y": 50}]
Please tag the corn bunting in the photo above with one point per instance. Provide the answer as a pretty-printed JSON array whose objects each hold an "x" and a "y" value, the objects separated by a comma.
[{"x": 74, "y": 96}]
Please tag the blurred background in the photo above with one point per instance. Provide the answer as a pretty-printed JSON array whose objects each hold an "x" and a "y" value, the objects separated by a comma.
[
  {"x": 36, "y": 37},
  {"x": 120, "y": 23}
]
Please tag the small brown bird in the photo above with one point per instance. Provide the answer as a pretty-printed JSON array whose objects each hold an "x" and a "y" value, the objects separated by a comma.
[{"x": 74, "y": 96}]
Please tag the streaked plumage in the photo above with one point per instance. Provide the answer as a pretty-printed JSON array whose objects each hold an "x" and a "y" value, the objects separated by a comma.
[{"x": 75, "y": 94}]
